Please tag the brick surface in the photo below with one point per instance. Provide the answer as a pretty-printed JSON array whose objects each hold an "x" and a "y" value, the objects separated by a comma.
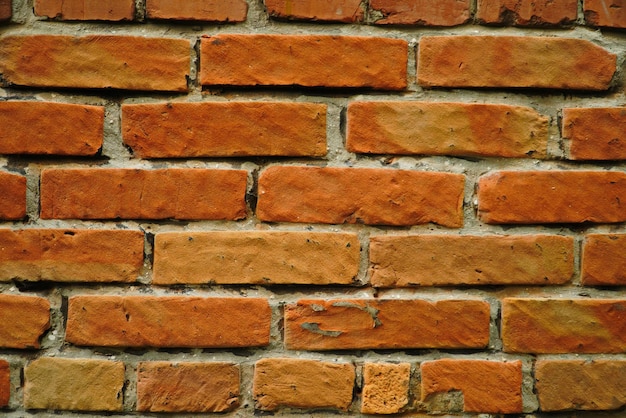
[
  {"x": 301, "y": 60},
  {"x": 5, "y": 10},
  {"x": 115, "y": 10},
  {"x": 187, "y": 387},
  {"x": 564, "y": 326},
  {"x": 370, "y": 196},
  {"x": 74, "y": 384},
  {"x": 603, "y": 261},
  {"x": 385, "y": 387},
  {"x": 256, "y": 258},
  {"x": 168, "y": 321},
  {"x": 23, "y": 320},
  {"x": 295, "y": 383},
  {"x": 326, "y": 11},
  {"x": 225, "y": 129},
  {"x": 5, "y": 383},
  {"x": 608, "y": 13},
  {"x": 118, "y": 62},
  {"x": 143, "y": 194},
  {"x": 12, "y": 196},
  {"x": 198, "y": 10},
  {"x": 386, "y": 324},
  {"x": 527, "y": 12},
  {"x": 427, "y": 260},
  {"x": 420, "y": 12},
  {"x": 596, "y": 133},
  {"x": 446, "y": 129},
  {"x": 513, "y": 61},
  {"x": 487, "y": 386}
]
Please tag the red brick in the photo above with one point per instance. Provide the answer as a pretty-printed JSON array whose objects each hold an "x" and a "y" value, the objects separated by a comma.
[
  {"x": 431, "y": 260},
  {"x": 198, "y": 10},
  {"x": 187, "y": 387},
  {"x": 228, "y": 129},
  {"x": 385, "y": 387},
  {"x": 168, "y": 321},
  {"x": 446, "y": 129},
  {"x": 23, "y": 320},
  {"x": 12, "y": 196},
  {"x": 487, "y": 386},
  {"x": 564, "y": 325},
  {"x": 255, "y": 257},
  {"x": 610, "y": 13},
  {"x": 603, "y": 261},
  {"x": 302, "y": 60},
  {"x": 513, "y": 61},
  {"x": 596, "y": 133},
  {"x": 353, "y": 195},
  {"x": 307, "y": 384},
  {"x": 119, "y": 62},
  {"x": 527, "y": 12},
  {"x": 71, "y": 255},
  {"x": 5, "y": 383},
  {"x": 551, "y": 197},
  {"x": 99, "y": 193},
  {"x": 115, "y": 10},
  {"x": 420, "y": 12},
  {"x": 5, "y": 10},
  {"x": 326, "y": 11},
  {"x": 50, "y": 128},
  {"x": 386, "y": 324}
]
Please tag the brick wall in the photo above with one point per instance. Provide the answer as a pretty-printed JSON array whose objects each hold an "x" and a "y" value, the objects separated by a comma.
[{"x": 337, "y": 207}]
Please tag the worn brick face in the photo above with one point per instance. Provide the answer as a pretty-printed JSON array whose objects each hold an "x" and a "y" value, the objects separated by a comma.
[
  {"x": 385, "y": 387},
  {"x": 114, "y": 10},
  {"x": 595, "y": 133},
  {"x": 420, "y": 12},
  {"x": 5, "y": 383},
  {"x": 603, "y": 261},
  {"x": 23, "y": 320},
  {"x": 5, "y": 10},
  {"x": 326, "y": 11},
  {"x": 198, "y": 10},
  {"x": 527, "y": 12},
  {"x": 611, "y": 13},
  {"x": 12, "y": 196}
]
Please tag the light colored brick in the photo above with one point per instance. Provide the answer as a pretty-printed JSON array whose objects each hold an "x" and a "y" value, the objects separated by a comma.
[{"x": 385, "y": 387}]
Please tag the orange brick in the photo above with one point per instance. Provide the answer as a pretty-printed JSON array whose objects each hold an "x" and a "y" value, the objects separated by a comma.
[
  {"x": 198, "y": 10},
  {"x": 596, "y": 133},
  {"x": 385, "y": 387},
  {"x": 386, "y": 324},
  {"x": 328, "y": 11},
  {"x": 353, "y": 195},
  {"x": 119, "y": 62},
  {"x": 610, "y": 13},
  {"x": 431, "y": 260},
  {"x": 302, "y": 60},
  {"x": 446, "y": 129},
  {"x": 23, "y": 320},
  {"x": 527, "y": 12},
  {"x": 307, "y": 384},
  {"x": 225, "y": 129},
  {"x": 168, "y": 321},
  {"x": 5, "y": 10},
  {"x": 551, "y": 197},
  {"x": 487, "y": 386},
  {"x": 12, "y": 196},
  {"x": 420, "y": 12},
  {"x": 603, "y": 261},
  {"x": 5, "y": 383},
  {"x": 143, "y": 194},
  {"x": 564, "y": 326},
  {"x": 115, "y": 10},
  {"x": 187, "y": 387},
  {"x": 513, "y": 61}
]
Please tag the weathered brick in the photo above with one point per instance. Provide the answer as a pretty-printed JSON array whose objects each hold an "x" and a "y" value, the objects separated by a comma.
[
  {"x": 610, "y": 13},
  {"x": 74, "y": 384},
  {"x": 70, "y": 255},
  {"x": 513, "y": 61},
  {"x": 77, "y": 193},
  {"x": 527, "y": 12},
  {"x": 168, "y": 321},
  {"x": 351, "y": 195},
  {"x": 225, "y": 129},
  {"x": 386, "y": 324},
  {"x": 551, "y": 197},
  {"x": 5, "y": 10},
  {"x": 50, "y": 128},
  {"x": 385, "y": 387},
  {"x": 23, "y": 320},
  {"x": 603, "y": 261},
  {"x": 596, "y": 133},
  {"x": 302, "y": 60},
  {"x": 326, "y": 11},
  {"x": 115, "y": 10},
  {"x": 187, "y": 387},
  {"x": 295, "y": 383},
  {"x": 589, "y": 385},
  {"x": 564, "y": 325},
  {"x": 256, "y": 257},
  {"x": 420, "y": 12},
  {"x": 198, "y": 10},
  {"x": 119, "y": 62},
  {"x": 427, "y": 260},
  {"x": 12, "y": 196},
  {"x": 446, "y": 129},
  {"x": 487, "y": 386},
  {"x": 5, "y": 383}
]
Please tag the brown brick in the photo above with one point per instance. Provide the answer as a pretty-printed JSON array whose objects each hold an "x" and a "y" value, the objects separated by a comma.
[
  {"x": 23, "y": 320},
  {"x": 386, "y": 324},
  {"x": 50, "y": 128},
  {"x": 302, "y": 60},
  {"x": 187, "y": 387},
  {"x": 295, "y": 383},
  {"x": 74, "y": 384},
  {"x": 71, "y": 255},
  {"x": 431, "y": 260},
  {"x": 226, "y": 129},
  {"x": 168, "y": 321},
  {"x": 527, "y": 12},
  {"x": 603, "y": 261},
  {"x": 580, "y": 385},
  {"x": 564, "y": 326},
  {"x": 385, "y": 387},
  {"x": 97, "y": 193},
  {"x": 446, "y": 129},
  {"x": 420, "y": 12},
  {"x": 198, "y": 10},
  {"x": 326, "y": 11},
  {"x": 12, "y": 196},
  {"x": 551, "y": 197},
  {"x": 5, "y": 383},
  {"x": 353, "y": 195},
  {"x": 254, "y": 257},
  {"x": 596, "y": 133},
  {"x": 610, "y": 13},
  {"x": 487, "y": 386},
  {"x": 513, "y": 61},
  {"x": 115, "y": 10},
  {"x": 5, "y": 10},
  {"x": 119, "y": 62}
]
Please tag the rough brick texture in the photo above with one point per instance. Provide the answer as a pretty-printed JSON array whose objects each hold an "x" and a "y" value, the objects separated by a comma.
[
  {"x": 5, "y": 383},
  {"x": 23, "y": 320},
  {"x": 420, "y": 12},
  {"x": 608, "y": 13},
  {"x": 12, "y": 196},
  {"x": 5, "y": 10},
  {"x": 86, "y": 9},
  {"x": 385, "y": 387},
  {"x": 603, "y": 262},
  {"x": 327, "y": 11},
  {"x": 596, "y": 133},
  {"x": 527, "y": 12},
  {"x": 198, "y": 10}
]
